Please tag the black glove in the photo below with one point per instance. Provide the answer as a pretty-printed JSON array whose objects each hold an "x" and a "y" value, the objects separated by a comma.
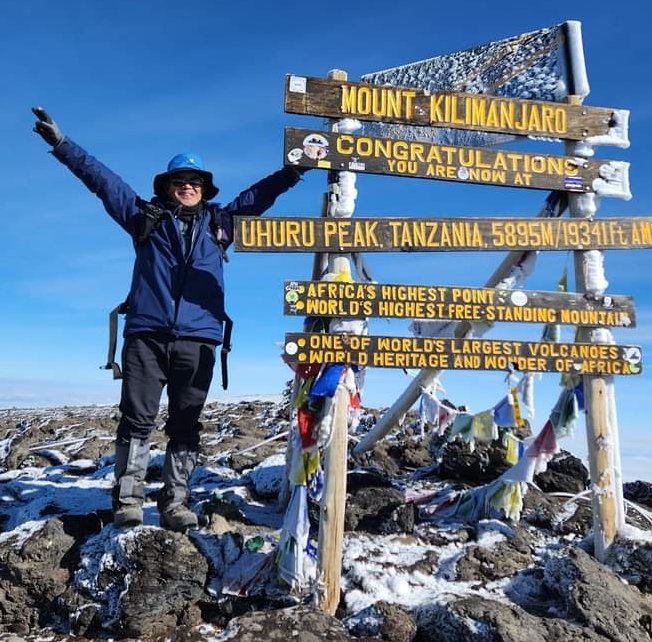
[
  {"x": 296, "y": 172},
  {"x": 46, "y": 127}
]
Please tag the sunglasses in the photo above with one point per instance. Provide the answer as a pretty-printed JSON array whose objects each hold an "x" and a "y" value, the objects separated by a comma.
[{"x": 194, "y": 181}]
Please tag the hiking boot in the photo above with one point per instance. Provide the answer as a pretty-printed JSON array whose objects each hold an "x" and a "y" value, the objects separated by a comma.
[
  {"x": 173, "y": 498},
  {"x": 177, "y": 518},
  {"x": 131, "y": 460},
  {"x": 126, "y": 516}
]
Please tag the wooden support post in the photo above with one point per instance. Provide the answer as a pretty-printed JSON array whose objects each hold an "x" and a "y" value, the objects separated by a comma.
[
  {"x": 426, "y": 376},
  {"x": 331, "y": 516},
  {"x": 320, "y": 259},
  {"x": 596, "y": 397},
  {"x": 331, "y": 523},
  {"x": 598, "y": 435}
]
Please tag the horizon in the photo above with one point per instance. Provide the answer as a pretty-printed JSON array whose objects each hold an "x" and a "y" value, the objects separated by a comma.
[{"x": 126, "y": 82}]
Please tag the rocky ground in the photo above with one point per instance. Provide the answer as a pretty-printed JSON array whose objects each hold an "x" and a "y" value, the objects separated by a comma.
[{"x": 66, "y": 572}]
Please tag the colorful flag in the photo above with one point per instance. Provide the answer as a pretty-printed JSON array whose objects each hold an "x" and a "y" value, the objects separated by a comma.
[
  {"x": 504, "y": 412},
  {"x": 484, "y": 428},
  {"x": 327, "y": 382}
]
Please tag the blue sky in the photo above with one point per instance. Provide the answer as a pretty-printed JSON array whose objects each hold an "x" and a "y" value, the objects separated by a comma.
[{"x": 137, "y": 82}]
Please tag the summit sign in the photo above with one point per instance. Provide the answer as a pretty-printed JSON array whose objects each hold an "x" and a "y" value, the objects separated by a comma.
[
  {"x": 419, "y": 159},
  {"x": 410, "y": 106},
  {"x": 276, "y": 234}
]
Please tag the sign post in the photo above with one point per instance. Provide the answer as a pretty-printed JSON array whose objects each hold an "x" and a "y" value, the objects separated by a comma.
[
  {"x": 332, "y": 504},
  {"x": 332, "y": 507},
  {"x": 512, "y": 263},
  {"x": 464, "y": 102},
  {"x": 597, "y": 389}
]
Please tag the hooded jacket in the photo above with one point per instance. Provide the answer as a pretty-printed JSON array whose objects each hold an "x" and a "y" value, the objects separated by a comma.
[{"x": 170, "y": 294}]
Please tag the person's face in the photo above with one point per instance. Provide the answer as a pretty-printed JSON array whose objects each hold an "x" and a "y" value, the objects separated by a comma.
[{"x": 186, "y": 188}]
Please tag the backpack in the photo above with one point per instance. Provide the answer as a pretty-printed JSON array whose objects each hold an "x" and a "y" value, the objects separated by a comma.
[{"x": 150, "y": 220}]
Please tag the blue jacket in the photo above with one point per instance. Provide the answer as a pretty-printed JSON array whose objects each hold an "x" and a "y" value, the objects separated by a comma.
[{"x": 170, "y": 294}]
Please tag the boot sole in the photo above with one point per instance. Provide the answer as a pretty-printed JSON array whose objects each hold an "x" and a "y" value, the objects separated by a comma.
[
  {"x": 128, "y": 520},
  {"x": 179, "y": 527},
  {"x": 130, "y": 523}
]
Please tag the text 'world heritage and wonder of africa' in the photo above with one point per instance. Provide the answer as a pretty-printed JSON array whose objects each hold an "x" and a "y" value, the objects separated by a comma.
[{"x": 462, "y": 354}]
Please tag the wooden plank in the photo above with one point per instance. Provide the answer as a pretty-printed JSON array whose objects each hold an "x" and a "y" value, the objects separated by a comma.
[
  {"x": 462, "y": 354},
  {"x": 553, "y": 206},
  {"x": 599, "y": 420},
  {"x": 332, "y": 506},
  {"x": 277, "y": 234},
  {"x": 600, "y": 440},
  {"x": 416, "y": 159},
  {"x": 479, "y": 112},
  {"x": 341, "y": 299},
  {"x": 333, "y": 501}
]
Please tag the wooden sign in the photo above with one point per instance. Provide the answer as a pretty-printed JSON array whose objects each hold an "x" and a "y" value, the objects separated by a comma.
[
  {"x": 416, "y": 159},
  {"x": 410, "y": 106},
  {"x": 462, "y": 354},
  {"x": 340, "y": 299},
  {"x": 276, "y": 234}
]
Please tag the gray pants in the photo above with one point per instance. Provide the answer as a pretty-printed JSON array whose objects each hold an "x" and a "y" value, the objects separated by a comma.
[{"x": 149, "y": 363}]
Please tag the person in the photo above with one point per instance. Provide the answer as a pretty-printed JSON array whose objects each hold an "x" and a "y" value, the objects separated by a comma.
[{"x": 175, "y": 317}]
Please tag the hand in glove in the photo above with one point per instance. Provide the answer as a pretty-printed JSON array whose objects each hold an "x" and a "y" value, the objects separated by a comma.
[
  {"x": 46, "y": 127},
  {"x": 296, "y": 172}
]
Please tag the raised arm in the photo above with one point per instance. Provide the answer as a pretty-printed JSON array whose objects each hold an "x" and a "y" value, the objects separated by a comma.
[
  {"x": 119, "y": 199},
  {"x": 261, "y": 195}
]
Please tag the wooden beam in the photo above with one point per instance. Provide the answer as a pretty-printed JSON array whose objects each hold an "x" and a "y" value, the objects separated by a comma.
[
  {"x": 596, "y": 400},
  {"x": 552, "y": 208},
  {"x": 434, "y": 302},
  {"x": 331, "y": 522},
  {"x": 402, "y": 234},
  {"x": 479, "y": 112},
  {"x": 332, "y": 505},
  {"x": 417, "y": 159},
  {"x": 462, "y": 354}
]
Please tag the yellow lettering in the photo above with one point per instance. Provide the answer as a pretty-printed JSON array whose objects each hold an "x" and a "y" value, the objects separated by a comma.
[
  {"x": 488, "y": 175},
  {"x": 507, "y": 110},
  {"x": 436, "y": 115},
  {"x": 347, "y": 105},
  {"x": 492, "y": 115},
  {"x": 534, "y": 120},
  {"x": 478, "y": 111}
]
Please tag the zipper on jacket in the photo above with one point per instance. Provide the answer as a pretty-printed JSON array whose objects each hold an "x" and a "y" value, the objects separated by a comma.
[{"x": 197, "y": 224}]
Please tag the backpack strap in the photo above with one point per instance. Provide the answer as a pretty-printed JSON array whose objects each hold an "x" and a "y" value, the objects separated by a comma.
[
  {"x": 151, "y": 218},
  {"x": 223, "y": 231},
  {"x": 222, "y": 225},
  {"x": 226, "y": 348},
  {"x": 111, "y": 363}
]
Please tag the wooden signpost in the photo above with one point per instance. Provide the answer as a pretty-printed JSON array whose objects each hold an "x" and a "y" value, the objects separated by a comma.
[
  {"x": 334, "y": 238},
  {"x": 276, "y": 234},
  {"x": 463, "y": 354},
  {"x": 410, "y": 106},
  {"x": 416, "y": 159},
  {"x": 356, "y": 300}
]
